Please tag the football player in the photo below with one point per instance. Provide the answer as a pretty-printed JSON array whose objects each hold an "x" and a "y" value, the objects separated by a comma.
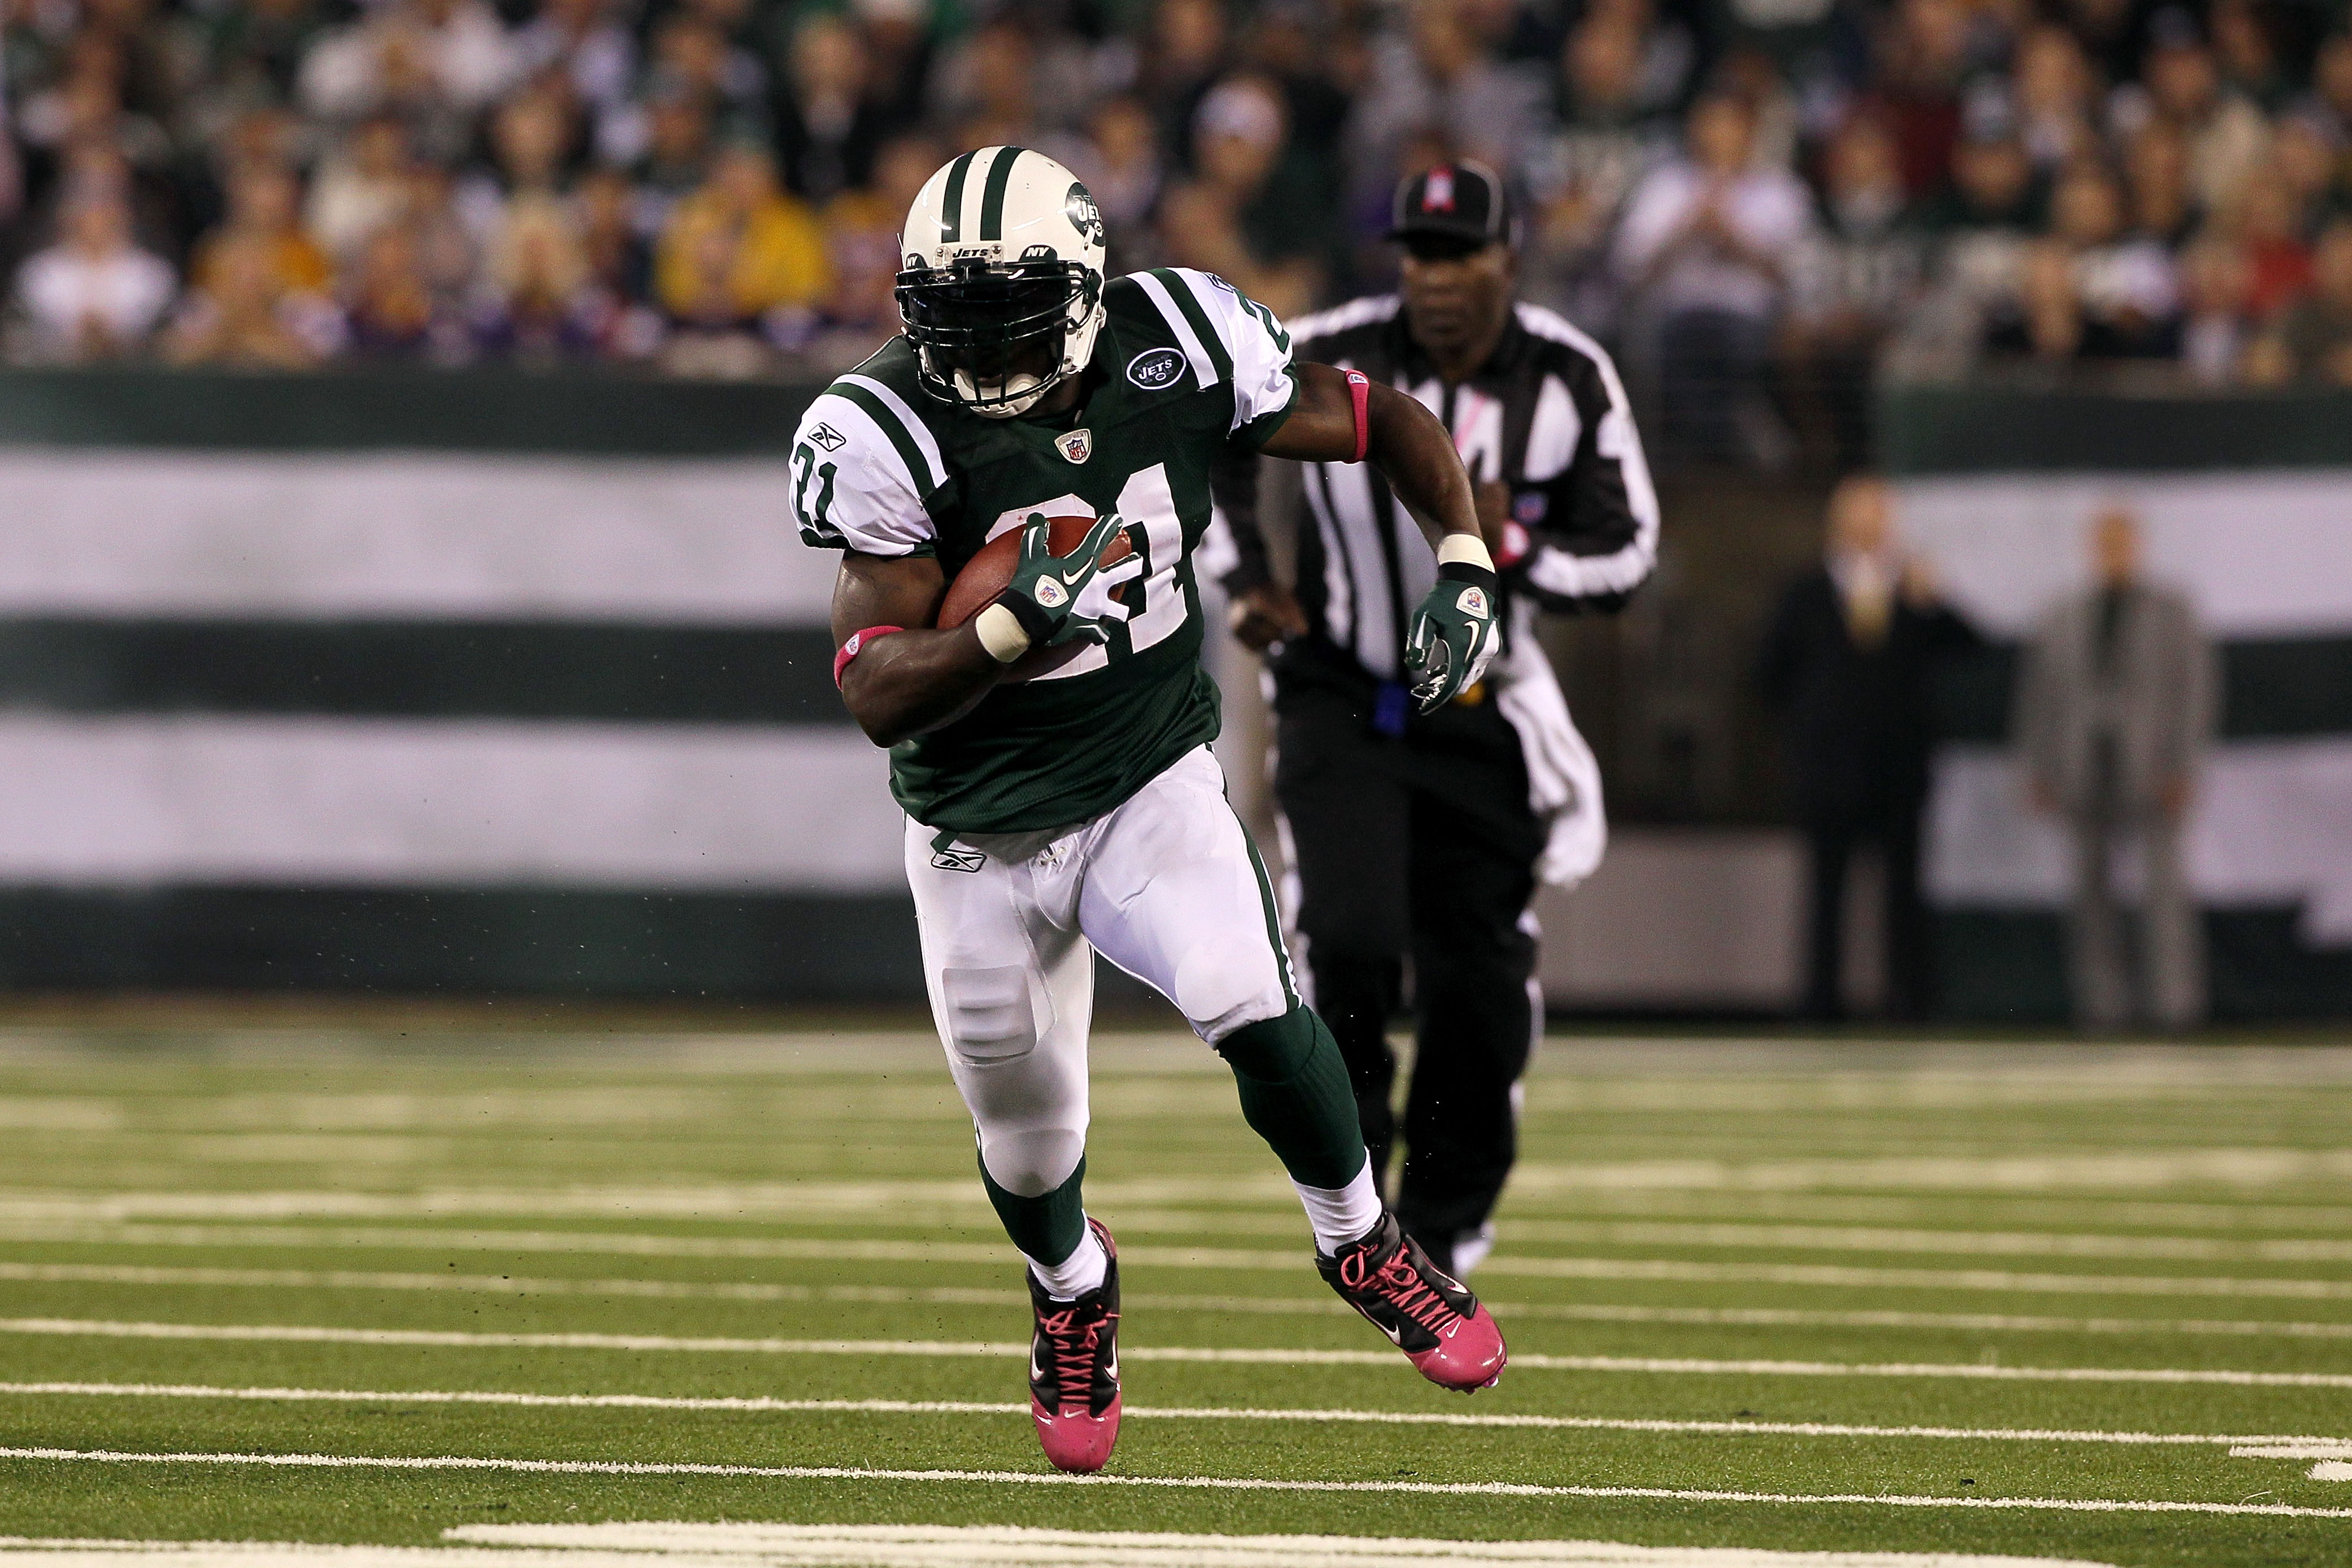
[{"x": 1081, "y": 810}]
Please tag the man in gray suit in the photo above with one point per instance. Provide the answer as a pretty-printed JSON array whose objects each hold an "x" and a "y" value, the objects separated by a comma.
[{"x": 2114, "y": 708}]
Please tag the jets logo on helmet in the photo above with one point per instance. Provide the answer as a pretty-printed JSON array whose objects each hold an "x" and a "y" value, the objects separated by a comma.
[{"x": 1002, "y": 293}]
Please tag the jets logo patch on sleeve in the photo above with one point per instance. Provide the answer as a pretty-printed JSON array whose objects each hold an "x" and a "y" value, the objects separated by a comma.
[{"x": 1155, "y": 369}]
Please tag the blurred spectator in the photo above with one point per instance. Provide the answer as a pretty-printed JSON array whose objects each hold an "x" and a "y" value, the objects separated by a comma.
[
  {"x": 390, "y": 311},
  {"x": 1707, "y": 246},
  {"x": 1119, "y": 160},
  {"x": 244, "y": 55},
  {"x": 899, "y": 37},
  {"x": 2307, "y": 154},
  {"x": 862, "y": 229},
  {"x": 1238, "y": 218},
  {"x": 530, "y": 135},
  {"x": 94, "y": 295},
  {"x": 1006, "y": 87},
  {"x": 2269, "y": 226},
  {"x": 584, "y": 48},
  {"x": 2312, "y": 342},
  {"x": 740, "y": 250},
  {"x": 1182, "y": 56},
  {"x": 1855, "y": 280},
  {"x": 828, "y": 128},
  {"x": 540, "y": 307},
  {"x": 2246, "y": 52},
  {"x": 1984, "y": 220},
  {"x": 438, "y": 63},
  {"x": 447, "y": 250},
  {"x": 2181, "y": 86},
  {"x": 2116, "y": 706},
  {"x": 1847, "y": 662},
  {"x": 2057, "y": 108},
  {"x": 264, "y": 220},
  {"x": 2090, "y": 291},
  {"x": 619, "y": 261},
  {"x": 1925, "y": 60},
  {"x": 2157, "y": 172},
  {"x": 2216, "y": 323},
  {"x": 1438, "y": 74},
  {"x": 363, "y": 185},
  {"x": 680, "y": 144},
  {"x": 1580, "y": 175},
  {"x": 2330, "y": 102},
  {"x": 693, "y": 55},
  {"x": 241, "y": 312}
]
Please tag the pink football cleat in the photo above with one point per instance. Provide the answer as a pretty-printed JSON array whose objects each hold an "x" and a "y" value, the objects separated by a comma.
[
  {"x": 1430, "y": 1316},
  {"x": 1074, "y": 1369}
]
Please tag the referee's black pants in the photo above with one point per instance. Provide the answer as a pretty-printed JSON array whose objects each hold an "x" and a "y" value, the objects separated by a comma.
[{"x": 1419, "y": 845}]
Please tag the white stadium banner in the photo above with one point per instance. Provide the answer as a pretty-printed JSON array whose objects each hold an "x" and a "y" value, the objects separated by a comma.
[
  {"x": 2265, "y": 557},
  {"x": 123, "y": 533},
  {"x": 116, "y": 538}
]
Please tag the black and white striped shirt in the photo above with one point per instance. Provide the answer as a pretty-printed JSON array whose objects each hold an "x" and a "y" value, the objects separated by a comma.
[{"x": 1545, "y": 413}]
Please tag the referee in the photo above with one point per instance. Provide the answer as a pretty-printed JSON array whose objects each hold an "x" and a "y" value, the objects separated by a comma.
[{"x": 1423, "y": 837}]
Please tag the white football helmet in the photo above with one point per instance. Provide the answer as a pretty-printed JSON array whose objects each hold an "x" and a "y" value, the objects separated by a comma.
[{"x": 1001, "y": 291}]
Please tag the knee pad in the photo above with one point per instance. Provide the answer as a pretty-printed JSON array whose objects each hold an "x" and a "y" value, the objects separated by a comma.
[
  {"x": 1225, "y": 983},
  {"x": 988, "y": 1015},
  {"x": 1033, "y": 1163}
]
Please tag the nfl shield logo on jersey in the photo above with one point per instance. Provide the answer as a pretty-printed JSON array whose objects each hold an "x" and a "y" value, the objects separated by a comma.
[{"x": 1077, "y": 445}]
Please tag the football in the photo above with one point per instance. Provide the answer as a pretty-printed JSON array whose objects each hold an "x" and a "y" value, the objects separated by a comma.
[{"x": 986, "y": 574}]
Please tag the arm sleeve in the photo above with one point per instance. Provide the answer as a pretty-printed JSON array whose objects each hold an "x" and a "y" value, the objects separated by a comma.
[
  {"x": 1251, "y": 350},
  {"x": 861, "y": 476},
  {"x": 1595, "y": 533}
]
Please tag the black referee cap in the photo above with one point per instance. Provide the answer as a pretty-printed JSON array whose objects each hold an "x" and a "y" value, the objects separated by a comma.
[{"x": 1463, "y": 201}]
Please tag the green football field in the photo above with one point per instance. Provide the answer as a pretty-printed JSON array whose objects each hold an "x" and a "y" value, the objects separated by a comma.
[{"x": 613, "y": 1298}]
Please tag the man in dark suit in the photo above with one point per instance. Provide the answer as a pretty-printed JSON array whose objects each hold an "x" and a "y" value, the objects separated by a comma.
[{"x": 1847, "y": 663}]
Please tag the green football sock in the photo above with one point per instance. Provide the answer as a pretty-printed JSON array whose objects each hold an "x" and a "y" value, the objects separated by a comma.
[
  {"x": 1296, "y": 1093},
  {"x": 1047, "y": 1227}
]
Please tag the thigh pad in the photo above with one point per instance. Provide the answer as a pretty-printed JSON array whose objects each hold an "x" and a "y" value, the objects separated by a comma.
[{"x": 989, "y": 1014}]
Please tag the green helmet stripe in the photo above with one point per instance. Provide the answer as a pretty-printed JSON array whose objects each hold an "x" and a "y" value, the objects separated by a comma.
[
  {"x": 991, "y": 200},
  {"x": 952, "y": 202}
]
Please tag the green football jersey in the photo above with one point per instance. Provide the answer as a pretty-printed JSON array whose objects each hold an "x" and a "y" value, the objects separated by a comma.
[{"x": 1184, "y": 365}]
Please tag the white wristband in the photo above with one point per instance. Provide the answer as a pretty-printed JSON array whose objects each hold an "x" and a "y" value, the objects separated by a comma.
[
  {"x": 1001, "y": 634},
  {"x": 1466, "y": 550}
]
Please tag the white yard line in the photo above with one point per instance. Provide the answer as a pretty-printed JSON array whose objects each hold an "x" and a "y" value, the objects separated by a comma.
[
  {"x": 1270, "y": 1357},
  {"x": 2042, "y": 1171},
  {"x": 851, "y": 1250},
  {"x": 698, "y": 1545},
  {"x": 2240, "y": 1446},
  {"x": 1700, "y": 1234},
  {"x": 1211, "y": 1483},
  {"x": 1284, "y": 1306}
]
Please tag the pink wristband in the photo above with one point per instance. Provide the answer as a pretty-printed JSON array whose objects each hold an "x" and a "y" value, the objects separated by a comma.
[
  {"x": 1359, "y": 391},
  {"x": 857, "y": 643}
]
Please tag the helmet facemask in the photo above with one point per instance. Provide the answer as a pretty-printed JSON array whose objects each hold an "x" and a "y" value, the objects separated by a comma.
[{"x": 996, "y": 337}]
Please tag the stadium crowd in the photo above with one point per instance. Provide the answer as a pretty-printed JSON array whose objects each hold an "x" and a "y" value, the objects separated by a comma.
[{"x": 1762, "y": 195}]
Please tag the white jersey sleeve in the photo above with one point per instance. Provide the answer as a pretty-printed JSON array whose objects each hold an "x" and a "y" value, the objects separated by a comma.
[
  {"x": 864, "y": 470},
  {"x": 1243, "y": 345}
]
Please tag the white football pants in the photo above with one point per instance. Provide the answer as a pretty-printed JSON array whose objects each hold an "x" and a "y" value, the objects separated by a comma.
[{"x": 1166, "y": 885}]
